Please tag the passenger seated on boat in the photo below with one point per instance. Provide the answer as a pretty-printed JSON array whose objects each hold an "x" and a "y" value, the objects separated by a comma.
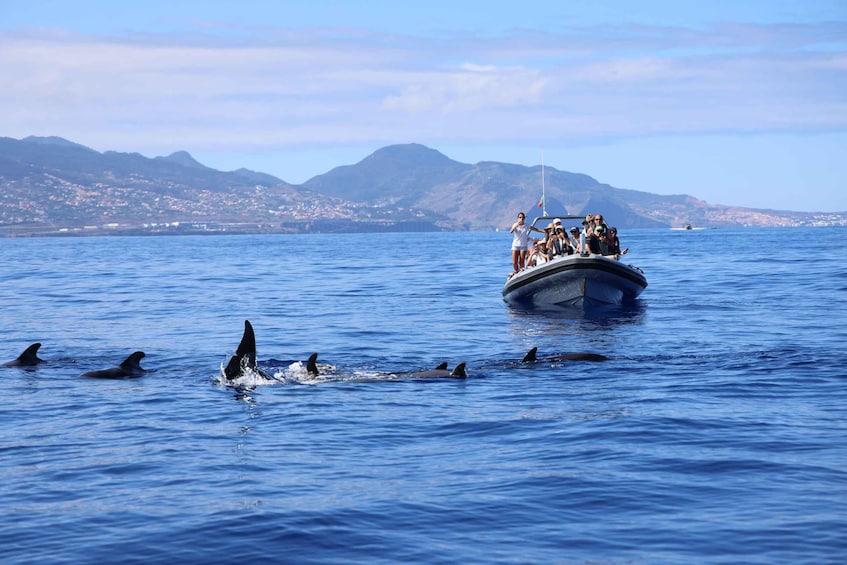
[
  {"x": 556, "y": 225},
  {"x": 557, "y": 242},
  {"x": 599, "y": 221},
  {"x": 588, "y": 224},
  {"x": 593, "y": 240},
  {"x": 545, "y": 252},
  {"x": 574, "y": 239},
  {"x": 561, "y": 243},
  {"x": 601, "y": 232},
  {"x": 552, "y": 245},
  {"x": 539, "y": 255},
  {"x": 530, "y": 253},
  {"x": 614, "y": 244}
]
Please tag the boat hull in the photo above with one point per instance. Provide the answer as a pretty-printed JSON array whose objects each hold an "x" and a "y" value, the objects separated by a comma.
[{"x": 575, "y": 280}]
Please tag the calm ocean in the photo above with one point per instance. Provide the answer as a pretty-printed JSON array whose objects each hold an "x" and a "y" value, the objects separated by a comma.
[{"x": 716, "y": 433}]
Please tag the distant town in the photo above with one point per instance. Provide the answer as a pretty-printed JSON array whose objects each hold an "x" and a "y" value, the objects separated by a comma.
[{"x": 54, "y": 187}]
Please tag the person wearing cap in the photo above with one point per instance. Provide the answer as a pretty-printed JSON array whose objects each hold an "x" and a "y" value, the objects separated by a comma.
[
  {"x": 574, "y": 238},
  {"x": 584, "y": 235},
  {"x": 593, "y": 240},
  {"x": 548, "y": 235},
  {"x": 603, "y": 239},
  {"x": 561, "y": 245},
  {"x": 540, "y": 254},
  {"x": 555, "y": 226},
  {"x": 551, "y": 241}
]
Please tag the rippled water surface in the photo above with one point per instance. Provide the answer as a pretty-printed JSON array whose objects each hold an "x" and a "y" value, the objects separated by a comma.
[{"x": 716, "y": 432}]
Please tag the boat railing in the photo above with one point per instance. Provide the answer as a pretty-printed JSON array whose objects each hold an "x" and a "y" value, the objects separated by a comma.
[{"x": 551, "y": 218}]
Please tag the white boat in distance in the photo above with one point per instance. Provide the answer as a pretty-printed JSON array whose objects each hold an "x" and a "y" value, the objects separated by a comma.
[{"x": 575, "y": 280}]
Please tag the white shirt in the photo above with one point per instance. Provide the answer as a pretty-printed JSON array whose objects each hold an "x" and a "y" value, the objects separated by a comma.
[{"x": 521, "y": 239}]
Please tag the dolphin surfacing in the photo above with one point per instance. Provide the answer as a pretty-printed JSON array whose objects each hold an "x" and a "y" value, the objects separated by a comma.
[
  {"x": 532, "y": 357},
  {"x": 130, "y": 368},
  {"x": 28, "y": 358},
  {"x": 312, "y": 365},
  {"x": 245, "y": 356},
  {"x": 441, "y": 372},
  {"x": 243, "y": 363}
]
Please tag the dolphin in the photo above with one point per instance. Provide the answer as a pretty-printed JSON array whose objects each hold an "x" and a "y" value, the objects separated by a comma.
[
  {"x": 28, "y": 358},
  {"x": 245, "y": 355},
  {"x": 440, "y": 372},
  {"x": 531, "y": 357},
  {"x": 245, "y": 358},
  {"x": 129, "y": 368}
]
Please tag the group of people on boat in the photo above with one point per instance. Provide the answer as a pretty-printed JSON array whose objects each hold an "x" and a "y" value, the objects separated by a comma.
[{"x": 595, "y": 237}]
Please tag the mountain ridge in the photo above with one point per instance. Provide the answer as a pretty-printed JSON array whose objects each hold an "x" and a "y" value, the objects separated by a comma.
[{"x": 50, "y": 183}]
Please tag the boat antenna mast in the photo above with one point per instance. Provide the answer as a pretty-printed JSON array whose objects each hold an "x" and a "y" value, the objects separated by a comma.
[{"x": 543, "y": 195}]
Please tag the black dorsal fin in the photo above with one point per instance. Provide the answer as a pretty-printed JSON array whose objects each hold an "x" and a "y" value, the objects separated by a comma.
[
  {"x": 133, "y": 361},
  {"x": 247, "y": 347},
  {"x": 530, "y": 356},
  {"x": 459, "y": 371},
  {"x": 233, "y": 368},
  {"x": 312, "y": 365},
  {"x": 29, "y": 356},
  {"x": 442, "y": 367}
]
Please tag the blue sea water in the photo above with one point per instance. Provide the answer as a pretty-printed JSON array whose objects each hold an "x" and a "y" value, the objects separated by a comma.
[{"x": 716, "y": 432}]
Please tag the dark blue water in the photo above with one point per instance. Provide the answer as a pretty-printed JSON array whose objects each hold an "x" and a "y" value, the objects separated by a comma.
[{"x": 717, "y": 431}]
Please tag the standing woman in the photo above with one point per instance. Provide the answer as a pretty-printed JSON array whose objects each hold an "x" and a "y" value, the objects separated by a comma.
[{"x": 520, "y": 241}]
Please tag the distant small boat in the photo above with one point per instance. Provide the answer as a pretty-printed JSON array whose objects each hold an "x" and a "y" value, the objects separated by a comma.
[{"x": 575, "y": 280}]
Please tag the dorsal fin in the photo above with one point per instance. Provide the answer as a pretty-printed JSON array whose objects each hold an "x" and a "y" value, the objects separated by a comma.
[
  {"x": 247, "y": 347},
  {"x": 233, "y": 368},
  {"x": 459, "y": 371},
  {"x": 245, "y": 355},
  {"x": 530, "y": 356},
  {"x": 442, "y": 367},
  {"x": 312, "y": 365},
  {"x": 133, "y": 361},
  {"x": 29, "y": 356}
]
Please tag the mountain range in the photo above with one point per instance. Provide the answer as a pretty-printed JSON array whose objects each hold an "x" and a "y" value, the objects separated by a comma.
[{"x": 52, "y": 185}]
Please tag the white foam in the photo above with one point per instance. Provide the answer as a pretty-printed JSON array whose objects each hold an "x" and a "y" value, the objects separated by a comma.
[
  {"x": 248, "y": 378},
  {"x": 297, "y": 373}
]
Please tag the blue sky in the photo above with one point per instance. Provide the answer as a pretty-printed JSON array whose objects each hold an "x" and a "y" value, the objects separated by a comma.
[{"x": 738, "y": 103}]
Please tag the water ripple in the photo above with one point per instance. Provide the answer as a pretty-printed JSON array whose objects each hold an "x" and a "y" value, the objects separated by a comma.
[{"x": 714, "y": 434}]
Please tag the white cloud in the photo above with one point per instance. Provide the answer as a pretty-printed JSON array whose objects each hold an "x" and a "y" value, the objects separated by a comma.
[
  {"x": 470, "y": 88},
  {"x": 285, "y": 88}
]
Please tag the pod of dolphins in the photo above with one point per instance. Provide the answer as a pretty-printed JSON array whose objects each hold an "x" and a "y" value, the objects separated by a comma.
[{"x": 244, "y": 362}]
